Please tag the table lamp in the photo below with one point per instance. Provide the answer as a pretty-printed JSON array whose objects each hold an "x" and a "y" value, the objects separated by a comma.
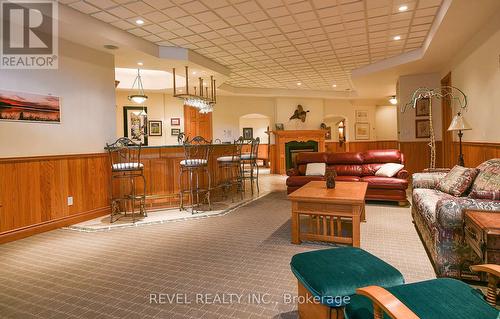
[{"x": 459, "y": 124}]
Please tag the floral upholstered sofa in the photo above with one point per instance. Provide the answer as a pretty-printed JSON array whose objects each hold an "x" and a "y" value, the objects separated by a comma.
[{"x": 439, "y": 215}]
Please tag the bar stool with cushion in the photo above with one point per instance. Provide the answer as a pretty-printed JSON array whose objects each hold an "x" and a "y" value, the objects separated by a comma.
[
  {"x": 229, "y": 166},
  {"x": 195, "y": 164},
  {"x": 249, "y": 165},
  {"x": 125, "y": 159}
]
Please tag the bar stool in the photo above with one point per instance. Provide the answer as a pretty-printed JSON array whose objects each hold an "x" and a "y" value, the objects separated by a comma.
[
  {"x": 125, "y": 159},
  {"x": 195, "y": 163},
  {"x": 229, "y": 166},
  {"x": 249, "y": 165}
]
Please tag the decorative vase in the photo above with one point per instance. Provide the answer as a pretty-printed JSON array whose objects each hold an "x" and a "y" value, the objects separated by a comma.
[{"x": 330, "y": 175}]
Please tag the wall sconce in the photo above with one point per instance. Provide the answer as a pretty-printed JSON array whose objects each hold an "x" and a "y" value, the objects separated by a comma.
[
  {"x": 341, "y": 132},
  {"x": 393, "y": 100}
]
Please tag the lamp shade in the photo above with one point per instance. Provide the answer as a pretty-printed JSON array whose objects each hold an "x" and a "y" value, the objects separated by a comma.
[{"x": 459, "y": 124}]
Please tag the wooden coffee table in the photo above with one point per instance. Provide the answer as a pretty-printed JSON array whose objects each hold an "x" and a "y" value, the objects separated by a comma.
[{"x": 326, "y": 209}]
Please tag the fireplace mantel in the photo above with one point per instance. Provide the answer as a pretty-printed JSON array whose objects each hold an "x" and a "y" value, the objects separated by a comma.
[{"x": 283, "y": 137}]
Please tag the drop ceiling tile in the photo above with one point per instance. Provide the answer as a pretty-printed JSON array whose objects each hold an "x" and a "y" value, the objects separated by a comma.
[
  {"x": 123, "y": 25},
  {"x": 140, "y": 7},
  {"x": 106, "y": 17},
  {"x": 156, "y": 17},
  {"x": 278, "y": 12},
  {"x": 84, "y": 7},
  {"x": 159, "y": 4},
  {"x": 103, "y": 4},
  {"x": 171, "y": 25}
]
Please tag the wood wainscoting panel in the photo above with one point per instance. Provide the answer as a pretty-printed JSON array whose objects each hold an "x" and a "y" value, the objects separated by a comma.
[
  {"x": 34, "y": 191},
  {"x": 418, "y": 155},
  {"x": 474, "y": 152}
]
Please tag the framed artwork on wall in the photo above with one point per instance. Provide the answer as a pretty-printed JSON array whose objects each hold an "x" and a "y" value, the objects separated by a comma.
[
  {"x": 175, "y": 131},
  {"x": 422, "y": 107},
  {"x": 155, "y": 128},
  {"x": 135, "y": 121},
  {"x": 247, "y": 133},
  {"x": 361, "y": 116},
  {"x": 362, "y": 131},
  {"x": 422, "y": 128},
  {"x": 280, "y": 126},
  {"x": 175, "y": 121},
  {"x": 29, "y": 107}
]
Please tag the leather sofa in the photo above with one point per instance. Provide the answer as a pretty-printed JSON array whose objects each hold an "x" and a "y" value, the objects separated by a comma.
[{"x": 354, "y": 167}]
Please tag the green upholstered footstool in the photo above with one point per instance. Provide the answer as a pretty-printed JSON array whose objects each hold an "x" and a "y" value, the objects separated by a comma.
[
  {"x": 431, "y": 299},
  {"x": 328, "y": 278}
]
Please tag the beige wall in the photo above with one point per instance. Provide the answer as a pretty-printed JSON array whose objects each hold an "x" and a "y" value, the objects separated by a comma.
[
  {"x": 160, "y": 107},
  {"x": 386, "y": 126},
  {"x": 406, "y": 121},
  {"x": 259, "y": 126},
  {"x": 477, "y": 72},
  {"x": 229, "y": 110},
  {"x": 85, "y": 83}
]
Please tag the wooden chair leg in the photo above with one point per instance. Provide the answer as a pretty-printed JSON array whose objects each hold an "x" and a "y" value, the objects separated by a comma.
[
  {"x": 491, "y": 294},
  {"x": 378, "y": 313}
]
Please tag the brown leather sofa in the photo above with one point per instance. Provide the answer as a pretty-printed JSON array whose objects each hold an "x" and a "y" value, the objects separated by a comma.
[{"x": 354, "y": 167}]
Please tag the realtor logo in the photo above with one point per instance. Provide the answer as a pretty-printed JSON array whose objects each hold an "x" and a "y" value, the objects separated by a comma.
[{"x": 29, "y": 34}]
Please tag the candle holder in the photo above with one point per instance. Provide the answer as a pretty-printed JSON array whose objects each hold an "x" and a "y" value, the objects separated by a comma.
[{"x": 330, "y": 175}]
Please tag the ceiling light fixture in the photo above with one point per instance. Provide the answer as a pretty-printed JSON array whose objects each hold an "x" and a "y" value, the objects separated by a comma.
[
  {"x": 140, "y": 63},
  {"x": 403, "y": 8},
  {"x": 397, "y": 38},
  {"x": 299, "y": 83},
  {"x": 204, "y": 101},
  {"x": 140, "y": 97},
  {"x": 334, "y": 85},
  {"x": 139, "y": 22},
  {"x": 393, "y": 100}
]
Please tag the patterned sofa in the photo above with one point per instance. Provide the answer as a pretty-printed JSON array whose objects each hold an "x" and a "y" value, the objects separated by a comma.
[{"x": 439, "y": 219}]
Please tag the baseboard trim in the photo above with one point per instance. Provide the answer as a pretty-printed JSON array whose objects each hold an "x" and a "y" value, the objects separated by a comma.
[{"x": 31, "y": 230}]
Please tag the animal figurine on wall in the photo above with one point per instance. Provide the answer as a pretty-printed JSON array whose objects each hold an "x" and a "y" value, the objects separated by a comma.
[{"x": 299, "y": 114}]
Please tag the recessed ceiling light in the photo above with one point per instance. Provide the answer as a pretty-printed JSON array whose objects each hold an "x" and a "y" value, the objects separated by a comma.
[
  {"x": 334, "y": 85},
  {"x": 299, "y": 83},
  {"x": 397, "y": 38},
  {"x": 140, "y": 63},
  {"x": 403, "y": 8},
  {"x": 194, "y": 73},
  {"x": 139, "y": 21}
]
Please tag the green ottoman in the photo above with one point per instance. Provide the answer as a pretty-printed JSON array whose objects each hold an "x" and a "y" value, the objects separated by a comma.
[
  {"x": 328, "y": 278},
  {"x": 432, "y": 299}
]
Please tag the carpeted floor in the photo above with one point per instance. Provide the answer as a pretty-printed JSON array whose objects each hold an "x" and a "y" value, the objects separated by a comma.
[{"x": 206, "y": 262}]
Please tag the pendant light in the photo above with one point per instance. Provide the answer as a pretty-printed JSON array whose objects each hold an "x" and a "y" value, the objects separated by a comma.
[{"x": 140, "y": 97}]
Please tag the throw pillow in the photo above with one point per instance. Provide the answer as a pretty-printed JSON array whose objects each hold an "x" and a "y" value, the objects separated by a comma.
[
  {"x": 457, "y": 181},
  {"x": 487, "y": 183},
  {"x": 389, "y": 169},
  {"x": 315, "y": 169}
]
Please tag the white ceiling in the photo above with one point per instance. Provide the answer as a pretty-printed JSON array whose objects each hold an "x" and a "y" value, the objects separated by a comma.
[{"x": 277, "y": 43}]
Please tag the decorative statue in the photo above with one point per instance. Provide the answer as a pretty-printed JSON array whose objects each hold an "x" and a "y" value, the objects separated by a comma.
[
  {"x": 330, "y": 175},
  {"x": 445, "y": 92},
  {"x": 299, "y": 114}
]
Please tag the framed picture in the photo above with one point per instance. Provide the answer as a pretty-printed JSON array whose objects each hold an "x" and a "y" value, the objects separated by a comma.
[
  {"x": 361, "y": 116},
  {"x": 247, "y": 133},
  {"x": 422, "y": 107},
  {"x": 362, "y": 131},
  {"x": 135, "y": 124},
  {"x": 155, "y": 128},
  {"x": 175, "y": 131},
  {"x": 29, "y": 107},
  {"x": 175, "y": 121},
  {"x": 280, "y": 126},
  {"x": 422, "y": 128}
]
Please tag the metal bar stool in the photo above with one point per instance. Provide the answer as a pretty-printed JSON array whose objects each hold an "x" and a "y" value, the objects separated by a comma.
[
  {"x": 229, "y": 168},
  {"x": 249, "y": 165},
  {"x": 196, "y": 154},
  {"x": 125, "y": 159}
]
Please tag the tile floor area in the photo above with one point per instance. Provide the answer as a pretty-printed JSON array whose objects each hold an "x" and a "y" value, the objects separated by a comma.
[{"x": 244, "y": 254}]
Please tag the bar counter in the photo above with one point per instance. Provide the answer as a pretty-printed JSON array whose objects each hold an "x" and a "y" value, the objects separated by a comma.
[{"x": 162, "y": 169}]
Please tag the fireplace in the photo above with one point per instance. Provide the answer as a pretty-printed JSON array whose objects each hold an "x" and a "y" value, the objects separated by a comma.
[
  {"x": 292, "y": 148},
  {"x": 280, "y": 164}
]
